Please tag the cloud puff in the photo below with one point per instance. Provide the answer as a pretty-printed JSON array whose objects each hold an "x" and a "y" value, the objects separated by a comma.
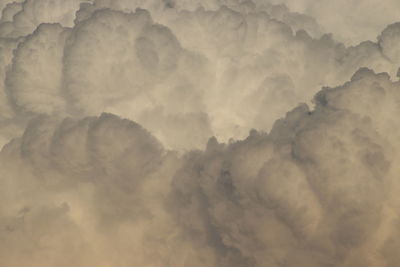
[
  {"x": 20, "y": 18},
  {"x": 319, "y": 189},
  {"x": 349, "y": 21},
  {"x": 107, "y": 109},
  {"x": 243, "y": 69}
]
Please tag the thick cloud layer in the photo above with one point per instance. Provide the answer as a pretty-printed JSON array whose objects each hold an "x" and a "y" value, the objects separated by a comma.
[
  {"x": 319, "y": 190},
  {"x": 209, "y": 69},
  {"x": 157, "y": 133}
]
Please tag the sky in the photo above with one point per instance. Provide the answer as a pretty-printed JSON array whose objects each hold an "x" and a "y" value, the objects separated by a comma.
[{"x": 214, "y": 133}]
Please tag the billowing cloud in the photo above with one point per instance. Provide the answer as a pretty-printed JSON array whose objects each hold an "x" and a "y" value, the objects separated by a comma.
[
  {"x": 319, "y": 190},
  {"x": 197, "y": 133},
  {"x": 20, "y": 18},
  {"x": 244, "y": 67},
  {"x": 349, "y": 21}
]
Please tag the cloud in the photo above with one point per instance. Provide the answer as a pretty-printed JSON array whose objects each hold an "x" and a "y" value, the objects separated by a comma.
[
  {"x": 108, "y": 111},
  {"x": 245, "y": 67},
  {"x": 319, "y": 189},
  {"x": 349, "y": 21},
  {"x": 20, "y": 18}
]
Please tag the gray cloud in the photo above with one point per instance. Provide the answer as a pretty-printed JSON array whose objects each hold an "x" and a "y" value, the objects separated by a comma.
[
  {"x": 319, "y": 189},
  {"x": 108, "y": 111}
]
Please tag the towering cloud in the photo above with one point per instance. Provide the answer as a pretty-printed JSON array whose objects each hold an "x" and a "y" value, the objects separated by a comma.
[{"x": 197, "y": 133}]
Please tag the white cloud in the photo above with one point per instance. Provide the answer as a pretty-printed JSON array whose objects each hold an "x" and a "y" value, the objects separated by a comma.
[
  {"x": 349, "y": 21},
  {"x": 242, "y": 69}
]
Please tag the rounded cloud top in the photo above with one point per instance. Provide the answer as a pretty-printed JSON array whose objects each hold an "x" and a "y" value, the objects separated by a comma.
[{"x": 197, "y": 133}]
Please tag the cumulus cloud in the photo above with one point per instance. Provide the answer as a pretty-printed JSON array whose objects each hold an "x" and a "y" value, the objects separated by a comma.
[
  {"x": 244, "y": 67},
  {"x": 319, "y": 190},
  {"x": 350, "y": 21},
  {"x": 20, "y": 18},
  {"x": 197, "y": 133}
]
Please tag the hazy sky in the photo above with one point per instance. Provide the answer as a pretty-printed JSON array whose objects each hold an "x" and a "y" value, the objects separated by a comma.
[{"x": 214, "y": 133}]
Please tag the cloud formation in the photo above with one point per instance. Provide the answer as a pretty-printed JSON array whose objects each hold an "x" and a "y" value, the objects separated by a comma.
[
  {"x": 349, "y": 21},
  {"x": 244, "y": 67},
  {"x": 319, "y": 190},
  {"x": 196, "y": 133}
]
